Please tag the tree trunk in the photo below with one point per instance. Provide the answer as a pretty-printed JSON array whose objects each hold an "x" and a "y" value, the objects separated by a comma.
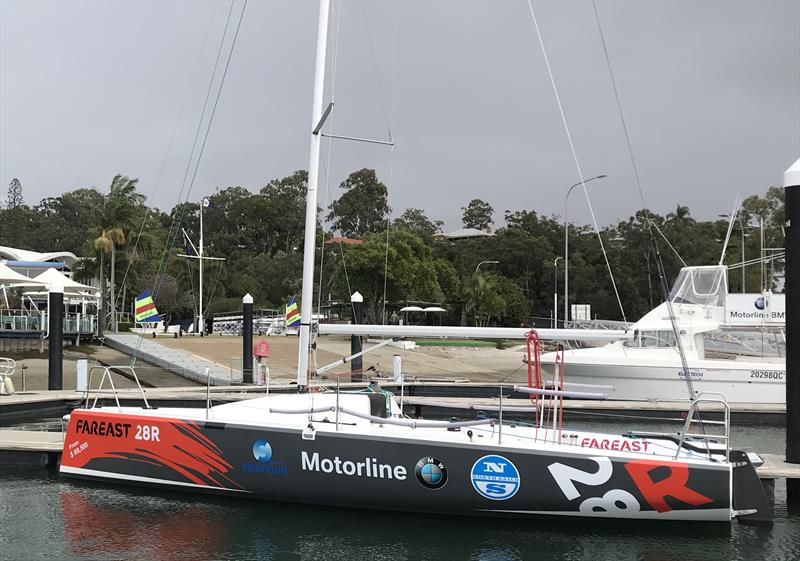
[
  {"x": 101, "y": 316},
  {"x": 113, "y": 287}
]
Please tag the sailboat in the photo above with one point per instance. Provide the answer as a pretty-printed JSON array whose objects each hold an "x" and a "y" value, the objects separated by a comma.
[{"x": 359, "y": 449}]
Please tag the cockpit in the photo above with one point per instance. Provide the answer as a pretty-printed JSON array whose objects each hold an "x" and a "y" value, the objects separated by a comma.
[{"x": 703, "y": 286}]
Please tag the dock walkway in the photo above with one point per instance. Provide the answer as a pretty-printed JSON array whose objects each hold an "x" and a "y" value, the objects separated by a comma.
[{"x": 182, "y": 363}]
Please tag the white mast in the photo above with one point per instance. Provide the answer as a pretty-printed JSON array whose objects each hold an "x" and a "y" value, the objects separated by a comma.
[{"x": 311, "y": 197}]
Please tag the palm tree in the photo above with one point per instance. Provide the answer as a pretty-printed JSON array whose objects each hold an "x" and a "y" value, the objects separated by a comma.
[
  {"x": 483, "y": 299},
  {"x": 116, "y": 216},
  {"x": 681, "y": 214}
]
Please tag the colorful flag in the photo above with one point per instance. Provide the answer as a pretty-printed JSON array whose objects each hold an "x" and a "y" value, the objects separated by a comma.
[
  {"x": 292, "y": 314},
  {"x": 146, "y": 309}
]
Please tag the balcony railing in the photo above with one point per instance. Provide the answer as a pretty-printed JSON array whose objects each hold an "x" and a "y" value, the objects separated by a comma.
[{"x": 36, "y": 321}]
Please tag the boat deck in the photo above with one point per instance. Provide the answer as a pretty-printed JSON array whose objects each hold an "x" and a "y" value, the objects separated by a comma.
[{"x": 427, "y": 399}]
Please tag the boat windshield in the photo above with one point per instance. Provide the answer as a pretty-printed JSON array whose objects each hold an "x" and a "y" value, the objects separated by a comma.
[
  {"x": 652, "y": 339},
  {"x": 704, "y": 286},
  {"x": 755, "y": 343}
]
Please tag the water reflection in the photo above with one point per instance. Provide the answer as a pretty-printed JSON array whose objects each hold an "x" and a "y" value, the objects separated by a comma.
[
  {"x": 129, "y": 523},
  {"x": 44, "y": 516},
  {"x": 110, "y": 527}
]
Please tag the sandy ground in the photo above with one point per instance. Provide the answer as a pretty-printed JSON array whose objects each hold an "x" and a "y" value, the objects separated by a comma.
[
  {"x": 475, "y": 364},
  {"x": 35, "y": 368}
]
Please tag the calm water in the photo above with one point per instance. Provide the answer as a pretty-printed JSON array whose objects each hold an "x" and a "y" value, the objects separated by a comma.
[{"x": 45, "y": 517}]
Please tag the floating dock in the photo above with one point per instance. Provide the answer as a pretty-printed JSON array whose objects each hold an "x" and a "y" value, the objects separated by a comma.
[{"x": 182, "y": 363}]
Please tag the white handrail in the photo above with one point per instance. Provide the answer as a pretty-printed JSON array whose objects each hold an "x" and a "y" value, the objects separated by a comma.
[{"x": 558, "y": 393}]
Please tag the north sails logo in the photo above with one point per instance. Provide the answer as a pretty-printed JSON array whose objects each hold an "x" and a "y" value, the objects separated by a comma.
[
  {"x": 368, "y": 467},
  {"x": 495, "y": 477}
]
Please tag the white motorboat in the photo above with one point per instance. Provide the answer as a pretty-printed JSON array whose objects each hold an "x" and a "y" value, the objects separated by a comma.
[{"x": 734, "y": 344}]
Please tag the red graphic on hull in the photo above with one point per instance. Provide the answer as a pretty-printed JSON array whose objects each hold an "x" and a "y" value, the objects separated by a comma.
[
  {"x": 177, "y": 445},
  {"x": 674, "y": 485}
]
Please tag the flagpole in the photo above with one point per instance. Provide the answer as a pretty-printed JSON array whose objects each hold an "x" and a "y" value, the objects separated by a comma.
[{"x": 201, "y": 329}]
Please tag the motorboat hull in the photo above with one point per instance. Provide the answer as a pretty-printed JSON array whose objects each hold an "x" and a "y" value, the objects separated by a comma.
[
  {"x": 640, "y": 379},
  {"x": 474, "y": 477}
]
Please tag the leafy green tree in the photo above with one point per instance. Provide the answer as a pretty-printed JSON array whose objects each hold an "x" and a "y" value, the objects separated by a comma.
[
  {"x": 70, "y": 220},
  {"x": 17, "y": 220},
  {"x": 770, "y": 212},
  {"x": 284, "y": 208},
  {"x": 414, "y": 220},
  {"x": 410, "y": 272},
  {"x": 515, "y": 305},
  {"x": 172, "y": 301},
  {"x": 14, "y": 197},
  {"x": 363, "y": 207},
  {"x": 447, "y": 278},
  {"x": 478, "y": 215}
]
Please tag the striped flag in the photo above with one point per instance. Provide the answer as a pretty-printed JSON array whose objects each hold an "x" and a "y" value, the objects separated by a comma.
[
  {"x": 146, "y": 309},
  {"x": 292, "y": 314}
]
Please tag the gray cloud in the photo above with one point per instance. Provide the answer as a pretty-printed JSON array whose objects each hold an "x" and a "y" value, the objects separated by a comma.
[{"x": 710, "y": 90}]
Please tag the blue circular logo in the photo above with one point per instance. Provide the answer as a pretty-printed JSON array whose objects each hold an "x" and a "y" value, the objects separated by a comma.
[
  {"x": 495, "y": 477},
  {"x": 431, "y": 473},
  {"x": 262, "y": 451}
]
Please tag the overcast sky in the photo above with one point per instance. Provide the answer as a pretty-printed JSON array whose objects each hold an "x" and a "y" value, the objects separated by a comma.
[{"x": 710, "y": 92}]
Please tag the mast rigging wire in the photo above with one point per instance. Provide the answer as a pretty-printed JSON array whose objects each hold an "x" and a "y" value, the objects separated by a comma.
[
  {"x": 171, "y": 140},
  {"x": 575, "y": 157},
  {"x": 657, "y": 253},
  {"x": 391, "y": 140},
  {"x": 328, "y": 162},
  {"x": 177, "y": 217},
  {"x": 164, "y": 160},
  {"x": 652, "y": 224},
  {"x": 167, "y": 254},
  {"x": 389, "y": 134}
]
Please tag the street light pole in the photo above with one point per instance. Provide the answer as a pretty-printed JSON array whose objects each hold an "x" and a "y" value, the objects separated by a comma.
[
  {"x": 555, "y": 292},
  {"x": 566, "y": 243},
  {"x": 482, "y": 262}
]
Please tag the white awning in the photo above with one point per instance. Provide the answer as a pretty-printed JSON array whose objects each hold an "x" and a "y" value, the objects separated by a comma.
[
  {"x": 411, "y": 309},
  {"x": 9, "y": 276},
  {"x": 434, "y": 309},
  {"x": 52, "y": 277}
]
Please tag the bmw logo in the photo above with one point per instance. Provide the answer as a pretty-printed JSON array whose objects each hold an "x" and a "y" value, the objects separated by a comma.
[
  {"x": 760, "y": 304},
  {"x": 262, "y": 451},
  {"x": 431, "y": 473}
]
